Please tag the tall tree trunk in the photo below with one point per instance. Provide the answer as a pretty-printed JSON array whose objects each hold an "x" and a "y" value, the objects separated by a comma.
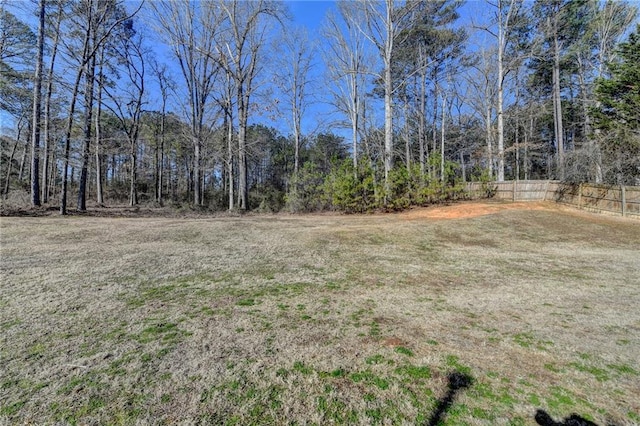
[
  {"x": 9, "y": 164},
  {"x": 242, "y": 150},
  {"x": 98, "y": 130},
  {"x": 407, "y": 139},
  {"x": 444, "y": 115},
  {"x": 133, "y": 190},
  {"x": 528, "y": 136},
  {"x": 296, "y": 155},
  {"x": 388, "y": 95},
  {"x": 388, "y": 124},
  {"x": 37, "y": 112},
  {"x": 500, "y": 112},
  {"x": 487, "y": 123},
  {"x": 504, "y": 32},
  {"x": 557, "y": 108},
  {"x": 160, "y": 172},
  {"x": 422, "y": 122},
  {"x": 517, "y": 124},
  {"x": 47, "y": 106},
  {"x": 593, "y": 145},
  {"x": 156, "y": 164},
  {"x": 25, "y": 152},
  {"x": 517, "y": 147},
  {"x": 67, "y": 141},
  {"x": 434, "y": 125},
  {"x": 53, "y": 173},
  {"x": 88, "y": 115},
  {"x": 295, "y": 113},
  {"x": 355, "y": 116},
  {"x": 197, "y": 199},
  {"x": 230, "y": 182},
  {"x": 98, "y": 126}
]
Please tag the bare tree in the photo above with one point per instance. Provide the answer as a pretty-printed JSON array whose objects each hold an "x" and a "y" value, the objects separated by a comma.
[
  {"x": 345, "y": 60},
  {"x": 553, "y": 24},
  {"x": 99, "y": 15},
  {"x": 20, "y": 124},
  {"x": 129, "y": 100},
  {"x": 248, "y": 26},
  {"x": 98, "y": 128},
  {"x": 481, "y": 97},
  {"x": 166, "y": 85},
  {"x": 84, "y": 59},
  {"x": 85, "y": 21},
  {"x": 507, "y": 17},
  {"x": 611, "y": 22},
  {"x": 382, "y": 25},
  {"x": 58, "y": 17},
  {"x": 226, "y": 103},
  {"x": 88, "y": 114},
  {"x": 292, "y": 76},
  {"x": 37, "y": 110},
  {"x": 191, "y": 29}
]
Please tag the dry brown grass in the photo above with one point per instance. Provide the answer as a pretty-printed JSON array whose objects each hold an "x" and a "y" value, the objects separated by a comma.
[{"x": 320, "y": 319}]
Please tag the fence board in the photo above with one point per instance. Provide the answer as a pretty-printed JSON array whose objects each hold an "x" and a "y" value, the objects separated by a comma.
[{"x": 622, "y": 200}]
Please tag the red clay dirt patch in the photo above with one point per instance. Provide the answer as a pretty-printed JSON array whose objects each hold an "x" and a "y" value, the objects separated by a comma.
[
  {"x": 393, "y": 342},
  {"x": 471, "y": 209}
]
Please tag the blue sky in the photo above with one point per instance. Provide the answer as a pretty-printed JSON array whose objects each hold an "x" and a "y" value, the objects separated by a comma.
[
  {"x": 310, "y": 13},
  {"x": 306, "y": 13}
]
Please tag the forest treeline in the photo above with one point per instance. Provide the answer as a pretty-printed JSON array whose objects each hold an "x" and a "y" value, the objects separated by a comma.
[{"x": 205, "y": 102}]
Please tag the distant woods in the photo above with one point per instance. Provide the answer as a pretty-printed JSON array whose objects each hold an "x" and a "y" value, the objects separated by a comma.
[{"x": 228, "y": 105}]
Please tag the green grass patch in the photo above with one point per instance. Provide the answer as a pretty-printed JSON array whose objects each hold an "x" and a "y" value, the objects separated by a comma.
[
  {"x": 528, "y": 340},
  {"x": 413, "y": 372},
  {"x": 11, "y": 408},
  {"x": 375, "y": 359},
  {"x": 301, "y": 368},
  {"x": 6, "y": 325},
  {"x": 623, "y": 369},
  {"x": 561, "y": 399},
  {"x": 453, "y": 361},
  {"x": 368, "y": 377},
  {"x": 246, "y": 302},
  {"x": 600, "y": 374},
  {"x": 404, "y": 351}
]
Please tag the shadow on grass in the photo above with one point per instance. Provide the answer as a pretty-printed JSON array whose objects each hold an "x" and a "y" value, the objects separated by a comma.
[
  {"x": 544, "y": 419},
  {"x": 457, "y": 382}
]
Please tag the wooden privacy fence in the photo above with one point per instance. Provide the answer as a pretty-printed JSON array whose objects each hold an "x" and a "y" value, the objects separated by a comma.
[{"x": 622, "y": 200}]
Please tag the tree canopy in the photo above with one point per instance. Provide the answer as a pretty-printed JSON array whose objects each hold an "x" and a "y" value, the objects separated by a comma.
[
  {"x": 618, "y": 112},
  {"x": 226, "y": 104}
]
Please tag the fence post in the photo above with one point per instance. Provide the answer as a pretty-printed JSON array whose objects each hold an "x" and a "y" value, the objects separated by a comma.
[
  {"x": 623, "y": 196},
  {"x": 546, "y": 189},
  {"x": 580, "y": 196}
]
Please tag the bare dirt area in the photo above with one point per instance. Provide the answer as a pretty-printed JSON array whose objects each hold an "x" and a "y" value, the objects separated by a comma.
[
  {"x": 321, "y": 319},
  {"x": 471, "y": 209}
]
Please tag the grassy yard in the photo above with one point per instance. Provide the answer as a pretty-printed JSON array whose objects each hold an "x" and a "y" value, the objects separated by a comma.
[{"x": 321, "y": 319}]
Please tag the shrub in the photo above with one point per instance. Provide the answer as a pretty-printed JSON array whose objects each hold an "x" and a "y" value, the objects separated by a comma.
[
  {"x": 266, "y": 199},
  {"x": 351, "y": 190},
  {"x": 306, "y": 190}
]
